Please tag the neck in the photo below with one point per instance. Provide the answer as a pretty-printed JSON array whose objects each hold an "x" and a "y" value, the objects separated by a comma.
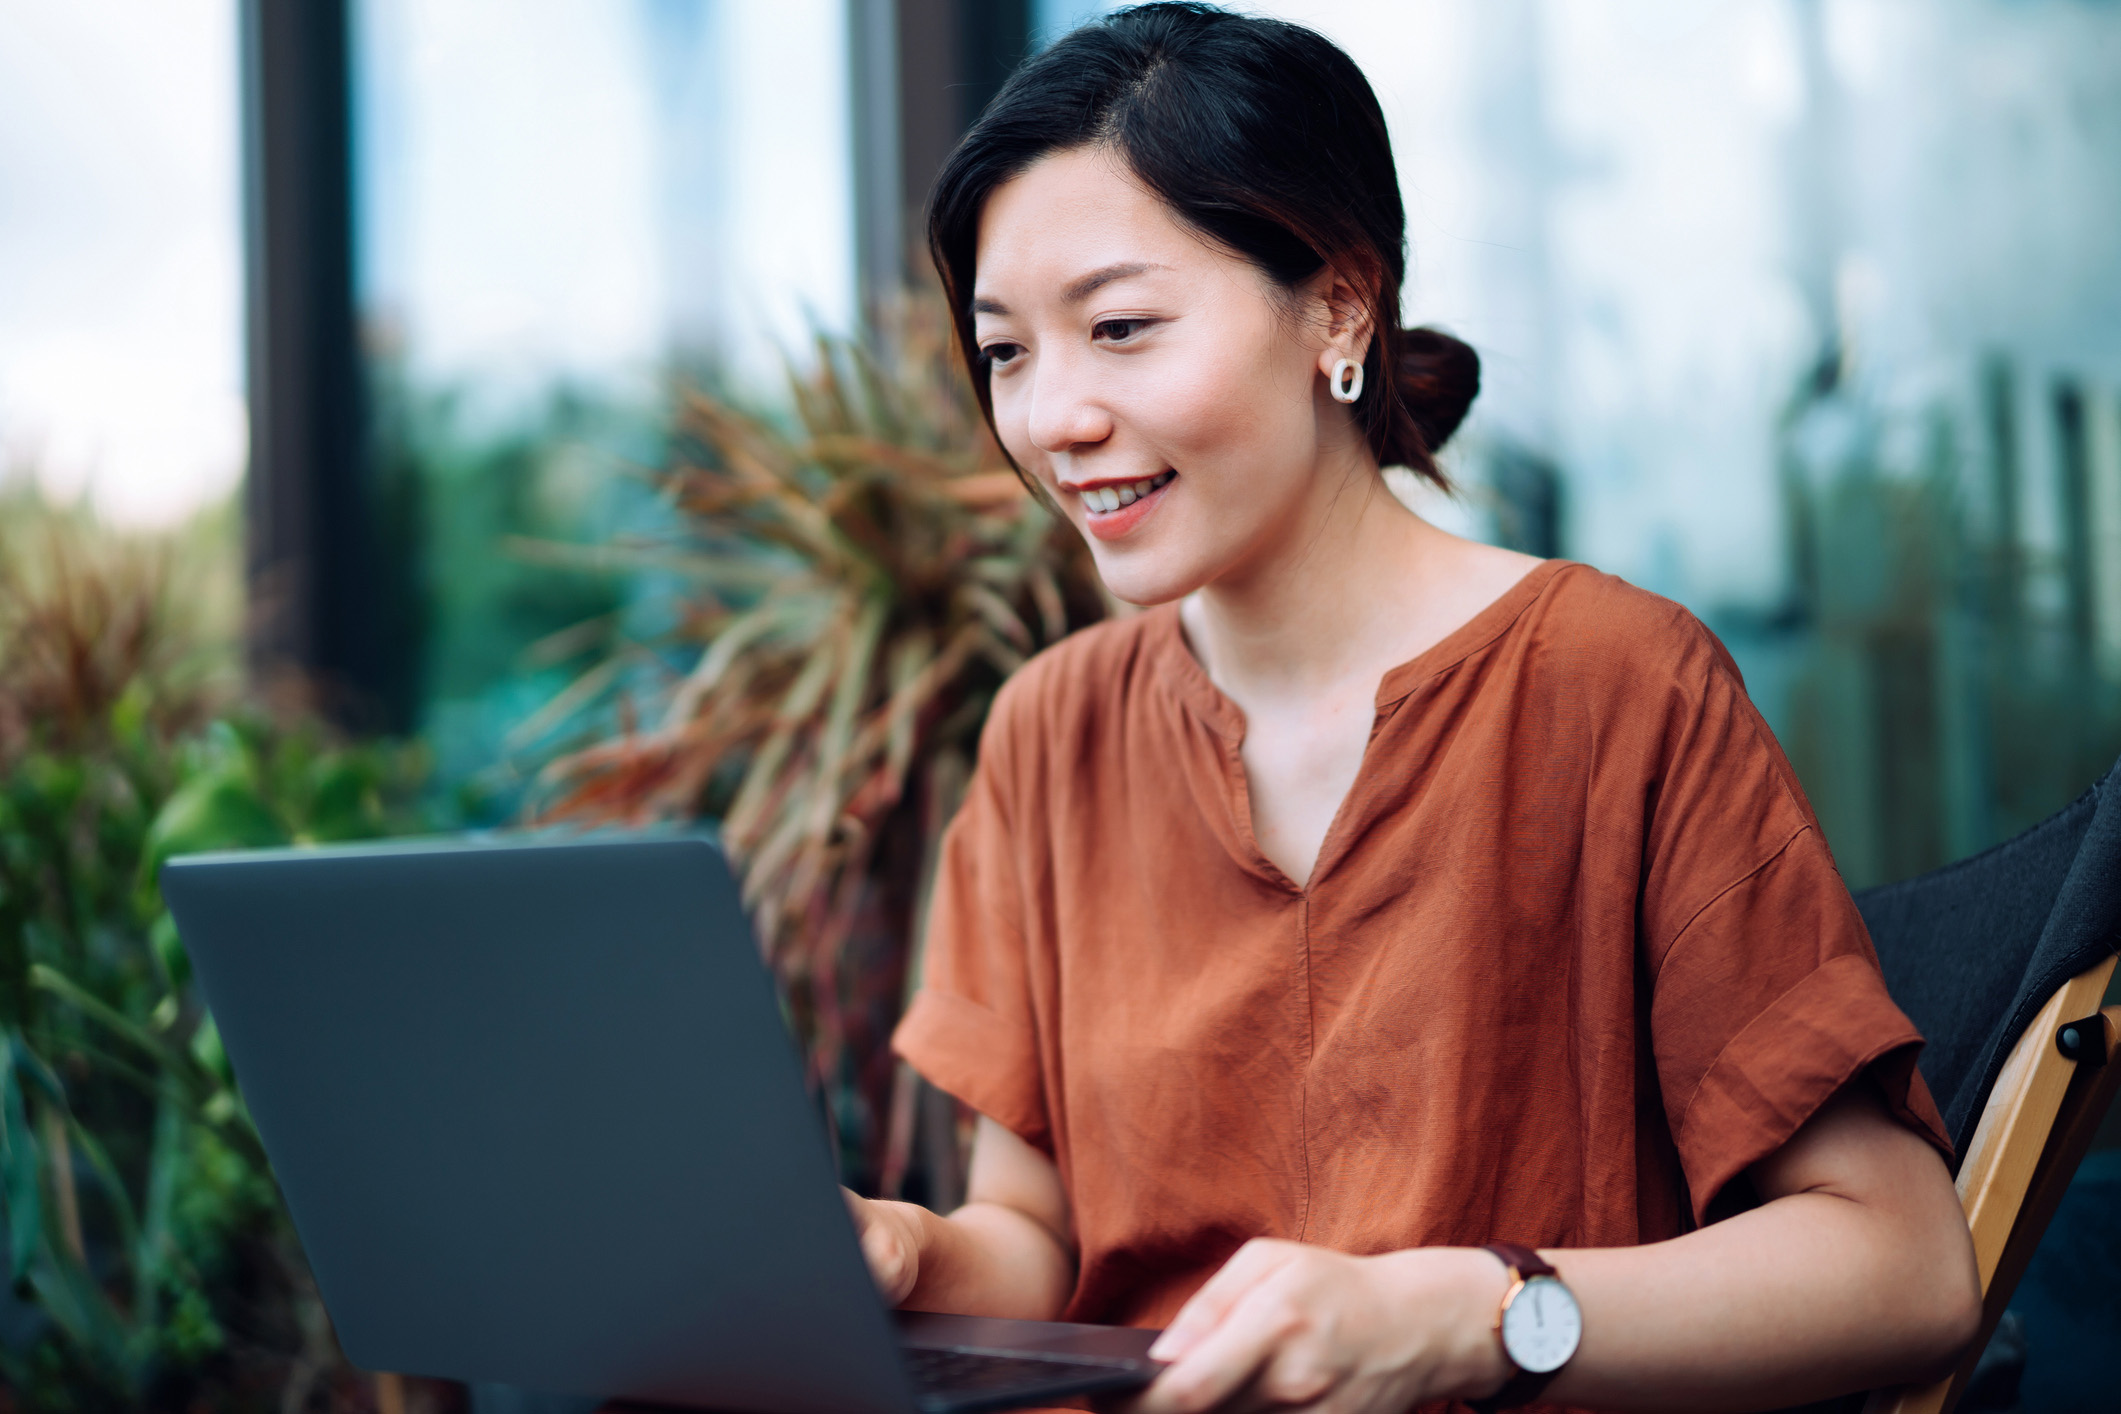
[{"x": 1325, "y": 599}]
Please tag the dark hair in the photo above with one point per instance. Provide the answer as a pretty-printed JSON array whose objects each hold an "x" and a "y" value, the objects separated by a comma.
[{"x": 1261, "y": 135}]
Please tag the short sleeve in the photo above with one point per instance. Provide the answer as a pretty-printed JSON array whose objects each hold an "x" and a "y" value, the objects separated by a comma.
[
  {"x": 1766, "y": 995},
  {"x": 1768, "y": 1005},
  {"x": 971, "y": 1029}
]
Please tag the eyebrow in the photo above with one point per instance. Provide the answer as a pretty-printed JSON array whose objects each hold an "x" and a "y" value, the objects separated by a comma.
[{"x": 1081, "y": 288}]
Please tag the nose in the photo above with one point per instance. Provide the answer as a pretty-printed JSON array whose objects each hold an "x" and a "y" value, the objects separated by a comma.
[{"x": 1064, "y": 413}]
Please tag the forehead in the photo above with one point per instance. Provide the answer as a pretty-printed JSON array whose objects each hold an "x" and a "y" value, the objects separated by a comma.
[{"x": 1072, "y": 212}]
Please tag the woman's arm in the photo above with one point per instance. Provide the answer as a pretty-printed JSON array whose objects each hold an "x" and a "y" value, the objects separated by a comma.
[
  {"x": 1855, "y": 1271},
  {"x": 1010, "y": 1251}
]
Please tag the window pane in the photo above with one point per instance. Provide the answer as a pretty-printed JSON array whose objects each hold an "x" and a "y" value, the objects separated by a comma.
[
  {"x": 121, "y": 319},
  {"x": 563, "y": 207}
]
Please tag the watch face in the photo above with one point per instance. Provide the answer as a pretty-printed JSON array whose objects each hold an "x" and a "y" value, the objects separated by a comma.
[{"x": 1541, "y": 1325}]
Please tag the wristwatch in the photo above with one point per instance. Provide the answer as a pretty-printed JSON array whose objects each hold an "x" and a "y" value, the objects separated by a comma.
[{"x": 1539, "y": 1325}]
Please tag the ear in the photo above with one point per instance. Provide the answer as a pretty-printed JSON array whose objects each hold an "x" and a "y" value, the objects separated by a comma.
[{"x": 1346, "y": 318}]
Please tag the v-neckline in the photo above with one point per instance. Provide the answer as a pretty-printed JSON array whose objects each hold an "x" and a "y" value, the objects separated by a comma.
[{"x": 1198, "y": 693}]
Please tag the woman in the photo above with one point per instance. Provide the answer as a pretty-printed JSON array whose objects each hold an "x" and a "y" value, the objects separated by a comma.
[{"x": 1376, "y": 895}]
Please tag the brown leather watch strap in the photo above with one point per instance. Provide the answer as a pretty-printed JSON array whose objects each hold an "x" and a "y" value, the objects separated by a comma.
[
  {"x": 1523, "y": 1386},
  {"x": 1522, "y": 1260}
]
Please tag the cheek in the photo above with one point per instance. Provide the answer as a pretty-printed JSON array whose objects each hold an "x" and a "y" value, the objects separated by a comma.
[{"x": 1241, "y": 408}]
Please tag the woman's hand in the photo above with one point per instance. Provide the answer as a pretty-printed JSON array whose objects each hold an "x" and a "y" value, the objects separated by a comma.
[
  {"x": 1854, "y": 1272},
  {"x": 1007, "y": 1252},
  {"x": 1286, "y": 1324},
  {"x": 891, "y": 1243}
]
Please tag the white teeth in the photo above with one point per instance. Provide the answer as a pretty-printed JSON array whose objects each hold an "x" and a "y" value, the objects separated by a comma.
[{"x": 1111, "y": 498}]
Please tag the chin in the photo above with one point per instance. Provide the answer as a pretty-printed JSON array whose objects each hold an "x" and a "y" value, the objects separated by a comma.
[{"x": 1144, "y": 579}]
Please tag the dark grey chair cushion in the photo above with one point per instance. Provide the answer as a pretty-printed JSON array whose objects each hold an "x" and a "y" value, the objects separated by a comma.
[{"x": 1971, "y": 951}]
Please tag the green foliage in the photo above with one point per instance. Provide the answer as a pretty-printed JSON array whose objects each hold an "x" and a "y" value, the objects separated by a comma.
[
  {"x": 149, "y": 1262},
  {"x": 462, "y": 487}
]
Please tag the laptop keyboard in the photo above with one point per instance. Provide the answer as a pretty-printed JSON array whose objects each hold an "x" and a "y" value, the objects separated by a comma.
[{"x": 937, "y": 1371}]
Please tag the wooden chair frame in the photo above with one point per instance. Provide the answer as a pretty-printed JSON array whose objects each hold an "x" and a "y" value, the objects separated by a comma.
[{"x": 2039, "y": 1121}]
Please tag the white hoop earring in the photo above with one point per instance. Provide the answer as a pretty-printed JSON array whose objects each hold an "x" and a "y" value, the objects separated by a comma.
[{"x": 1345, "y": 389}]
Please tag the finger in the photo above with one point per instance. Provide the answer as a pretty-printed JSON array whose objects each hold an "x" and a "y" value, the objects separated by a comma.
[
  {"x": 1247, "y": 1400},
  {"x": 1225, "y": 1358},
  {"x": 1297, "y": 1375},
  {"x": 881, "y": 1246},
  {"x": 880, "y": 1250},
  {"x": 890, "y": 1263},
  {"x": 1253, "y": 1263},
  {"x": 1250, "y": 1397}
]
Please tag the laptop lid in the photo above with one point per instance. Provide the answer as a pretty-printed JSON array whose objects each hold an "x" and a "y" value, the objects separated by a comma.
[{"x": 537, "y": 1119}]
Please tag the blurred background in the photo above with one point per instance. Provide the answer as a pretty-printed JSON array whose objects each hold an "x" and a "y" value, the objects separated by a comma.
[{"x": 355, "y": 356}]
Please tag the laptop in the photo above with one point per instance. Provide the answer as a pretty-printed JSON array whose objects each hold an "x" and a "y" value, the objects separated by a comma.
[{"x": 538, "y": 1122}]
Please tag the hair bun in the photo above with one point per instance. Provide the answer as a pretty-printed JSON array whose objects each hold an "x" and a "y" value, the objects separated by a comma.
[{"x": 1439, "y": 377}]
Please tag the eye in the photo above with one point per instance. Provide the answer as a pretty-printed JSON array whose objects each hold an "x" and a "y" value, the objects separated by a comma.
[
  {"x": 1117, "y": 331},
  {"x": 1001, "y": 353}
]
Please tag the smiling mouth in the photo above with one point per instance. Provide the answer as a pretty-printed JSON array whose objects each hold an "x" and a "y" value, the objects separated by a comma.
[{"x": 1106, "y": 499}]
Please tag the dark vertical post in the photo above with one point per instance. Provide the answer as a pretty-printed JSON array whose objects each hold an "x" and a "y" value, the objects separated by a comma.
[
  {"x": 2073, "y": 455},
  {"x": 879, "y": 191},
  {"x": 992, "y": 38},
  {"x": 1999, "y": 406},
  {"x": 314, "y": 590},
  {"x": 952, "y": 57},
  {"x": 929, "y": 123}
]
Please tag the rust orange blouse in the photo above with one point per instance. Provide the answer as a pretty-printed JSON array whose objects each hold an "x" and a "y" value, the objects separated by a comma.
[{"x": 1572, "y": 957}]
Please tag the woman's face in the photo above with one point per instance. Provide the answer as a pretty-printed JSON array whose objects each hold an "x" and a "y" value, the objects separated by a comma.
[{"x": 1168, "y": 394}]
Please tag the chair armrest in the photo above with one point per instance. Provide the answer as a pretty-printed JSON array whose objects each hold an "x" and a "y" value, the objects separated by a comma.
[{"x": 2032, "y": 1135}]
